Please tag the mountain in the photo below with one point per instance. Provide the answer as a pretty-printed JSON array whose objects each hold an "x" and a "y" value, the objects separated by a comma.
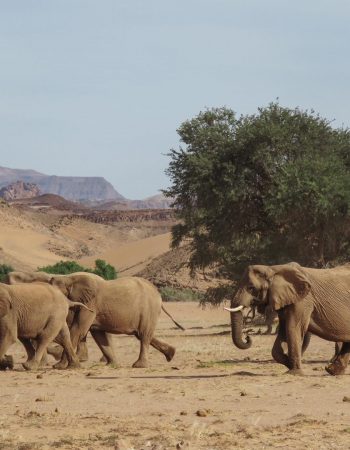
[
  {"x": 71, "y": 188},
  {"x": 19, "y": 189}
]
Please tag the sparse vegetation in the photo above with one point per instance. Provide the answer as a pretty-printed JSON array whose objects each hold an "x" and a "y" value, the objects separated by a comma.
[
  {"x": 4, "y": 270},
  {"x": 170, "y": 294},
  {"x": 102, "y": 268}
]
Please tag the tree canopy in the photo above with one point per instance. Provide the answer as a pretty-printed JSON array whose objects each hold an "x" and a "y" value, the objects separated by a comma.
[{"x": 264, "y": 188}]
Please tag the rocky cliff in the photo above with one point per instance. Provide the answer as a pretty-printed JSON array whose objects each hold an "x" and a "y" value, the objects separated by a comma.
[
  {"x": 20, "y": 189},
  {"x": 72, "y": 188}
]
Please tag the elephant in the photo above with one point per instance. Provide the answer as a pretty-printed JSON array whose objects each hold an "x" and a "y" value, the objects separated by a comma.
[
  {"x": 307, "y": 301},
  {"x": 35, "y": 312},
  {"x": 128, "y": 305},
  {"x": 30, "y": 277}
]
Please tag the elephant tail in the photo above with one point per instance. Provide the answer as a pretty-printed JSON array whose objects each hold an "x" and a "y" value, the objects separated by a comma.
[
  {"x": 72, "y": 304},
  {"x": 176, "y": 323}
]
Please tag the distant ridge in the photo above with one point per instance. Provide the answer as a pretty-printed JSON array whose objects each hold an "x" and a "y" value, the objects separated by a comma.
[{"x": 71, "y": 188}]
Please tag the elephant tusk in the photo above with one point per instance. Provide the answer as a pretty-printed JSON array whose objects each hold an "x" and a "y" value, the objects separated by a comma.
[{"x": 238, "y": 308}]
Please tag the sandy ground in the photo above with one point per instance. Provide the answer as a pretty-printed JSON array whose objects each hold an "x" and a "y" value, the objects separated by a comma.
[
  {"x": 211, "y": 396},
  {"x": 132, "y": 257}
]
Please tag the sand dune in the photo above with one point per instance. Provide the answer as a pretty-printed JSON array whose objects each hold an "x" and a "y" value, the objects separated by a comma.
[
  {"x": 26, "y": 247},
  {"x": 129, "y": 258},
  {"x": 29, "y": 240}
]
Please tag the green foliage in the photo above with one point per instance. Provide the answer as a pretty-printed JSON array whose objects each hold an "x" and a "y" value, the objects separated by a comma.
[
  {"x": 4, "y": 270},
  {"x": 64, "y": 268},
  {"x": 264, "y": 188},
  {"x": 170, "y": 294},
  {"x": 102, "y": 269},
  {"x": 105, "y": 270}
]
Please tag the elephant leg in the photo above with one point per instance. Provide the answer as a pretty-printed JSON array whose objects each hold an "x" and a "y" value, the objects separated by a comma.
[
  {"x": 30, "y": 346},
  {"x": 297, "y": 323},
  {"x": 27, "y": 344},
  {"x": 82, "y": 350},
  {"x": 269, "y": 329},
  {"x": 6, "y": 340},
  {"x": 167, "y": 350},
  {"x": 55, "y": 351},
  {"x": 105, "y": 344},
  {"x": 306, "y": 342},
  {"x": 63, "y": 338},
  {"x": 142, "y": 361},
  {"x": 337, "y": 348},
  {"x": 339, "y": 361},
  {"x": 80, "y": 327},
  {"x": 278, "y": 354},
  {"x": 42, "y": 342}
]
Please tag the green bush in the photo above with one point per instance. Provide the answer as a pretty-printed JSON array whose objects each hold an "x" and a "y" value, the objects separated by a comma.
[
  {"x": 102, "y": 268},
  {"x": 4, "y": 270},
  {"x": 170, "y": 294},
  {"x": 105, "y": 270}
]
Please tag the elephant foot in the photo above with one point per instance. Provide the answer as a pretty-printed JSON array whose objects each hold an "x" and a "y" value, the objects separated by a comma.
[
  {"x": 335, "y": 368},
  {"x": 112, "y": 363},
  {"x": 296, "y": 372},
  {"x": 74, "y": 365},
  {"x": 7, "y": 362},
  {"x": 61, "y": 365},
  {"x": 31, "y": 365},
  {"x": 170, "y": 354},
  {"x": 55, "y": 351},
  {"x": 82, "y": 353},
  {"x": 140, "y": 364}
]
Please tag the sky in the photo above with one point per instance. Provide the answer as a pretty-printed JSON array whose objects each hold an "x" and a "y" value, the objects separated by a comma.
[{"x": 99, "y": 87}]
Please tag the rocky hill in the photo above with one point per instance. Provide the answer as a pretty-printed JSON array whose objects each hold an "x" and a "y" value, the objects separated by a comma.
[
  {"x": 71, "y": 188},
  {"x": 20, "y": 189},
  {"x": 155, "y": 202}
]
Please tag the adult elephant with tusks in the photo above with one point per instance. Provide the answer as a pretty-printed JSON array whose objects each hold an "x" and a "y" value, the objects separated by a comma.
[{"x": 307, "y": 300}]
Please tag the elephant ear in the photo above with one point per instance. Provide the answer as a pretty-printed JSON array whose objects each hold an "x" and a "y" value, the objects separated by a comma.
[
  {"x": 288, "y": 286},
  {"x": 5, "y": 302},
  {"x": 83, "y": 289}
]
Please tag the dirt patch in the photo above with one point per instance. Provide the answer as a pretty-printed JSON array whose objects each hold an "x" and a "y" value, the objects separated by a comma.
[{"x": 246, "y": 400}]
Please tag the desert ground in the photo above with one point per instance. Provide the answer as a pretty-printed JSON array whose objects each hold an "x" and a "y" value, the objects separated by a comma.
[{"x": 210, "y": 396}]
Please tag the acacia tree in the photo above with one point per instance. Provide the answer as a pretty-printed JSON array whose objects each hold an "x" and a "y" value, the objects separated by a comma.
[{"x": 265, "y": 188}]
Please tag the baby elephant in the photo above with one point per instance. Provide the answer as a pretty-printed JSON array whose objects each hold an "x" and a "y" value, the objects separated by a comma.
[{"x": 35, "y": 311}]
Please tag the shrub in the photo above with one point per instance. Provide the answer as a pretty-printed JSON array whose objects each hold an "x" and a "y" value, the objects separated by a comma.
[
  {"x": 102, "y": 268},
  {"x": 4, "y": 270}
]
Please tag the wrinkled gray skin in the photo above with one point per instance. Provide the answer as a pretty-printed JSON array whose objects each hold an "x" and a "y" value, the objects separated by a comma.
[
  {"x": 34, "y": 312},
  {"x": 307, "y": 301},
  {"x": 31, "y": 277}
]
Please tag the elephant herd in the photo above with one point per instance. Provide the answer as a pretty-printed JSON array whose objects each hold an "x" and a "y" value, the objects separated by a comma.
[{"x": 38, "y": 308}]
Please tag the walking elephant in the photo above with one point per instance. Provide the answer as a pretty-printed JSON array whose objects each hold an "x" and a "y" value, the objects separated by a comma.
[
  {"x": 35, "y": 312},
  {"x": 129, "y": 305},
  {"x": 307, "y": 300}
]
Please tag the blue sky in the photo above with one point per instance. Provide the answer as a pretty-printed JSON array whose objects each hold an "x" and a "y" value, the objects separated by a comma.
[{"x": 98, "y": 87}]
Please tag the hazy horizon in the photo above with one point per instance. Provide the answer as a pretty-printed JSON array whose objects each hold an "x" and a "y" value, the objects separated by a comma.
[{"x": 99, "y": 88}]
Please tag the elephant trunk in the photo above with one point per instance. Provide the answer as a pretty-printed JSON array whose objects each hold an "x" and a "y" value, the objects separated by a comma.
[{"x": 236, "y": 329}]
